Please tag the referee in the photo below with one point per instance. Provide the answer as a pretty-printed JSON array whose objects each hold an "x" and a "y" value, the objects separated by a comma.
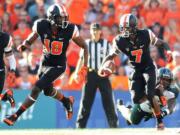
[{"x": 98, "y": 49}]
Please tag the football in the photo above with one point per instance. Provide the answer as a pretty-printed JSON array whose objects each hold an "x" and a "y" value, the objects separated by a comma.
[{"x": 107, "y": 68}]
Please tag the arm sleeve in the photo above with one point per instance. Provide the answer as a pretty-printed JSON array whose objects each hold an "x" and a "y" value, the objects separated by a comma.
[
  {"x": 152, "y": 37},
  {"x": 75, "y": 32},
  {"x": 8, "y": 47}
]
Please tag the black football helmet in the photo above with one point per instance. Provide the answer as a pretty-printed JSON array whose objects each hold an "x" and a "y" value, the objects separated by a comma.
[
  {"x": 128, "y": 25},
  {"x": 58, "y": 15},
  {"x": 165, "y": 76}
]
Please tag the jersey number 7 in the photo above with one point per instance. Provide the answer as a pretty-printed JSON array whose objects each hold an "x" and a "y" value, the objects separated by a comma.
[
  {"x": 55, "y": 48},
  {"x": 138, "y": 54}
]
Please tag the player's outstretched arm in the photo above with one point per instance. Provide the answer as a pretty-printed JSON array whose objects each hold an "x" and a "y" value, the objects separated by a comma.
[
  {"x": 76, "y": 76},
  {"x": 27, "y": 42},
  {"x": 82, "y": 71},
  {"x": 160, "y": 43},
  {"x": 81, "y": 43},
  {"x": 163, "y": 44}
]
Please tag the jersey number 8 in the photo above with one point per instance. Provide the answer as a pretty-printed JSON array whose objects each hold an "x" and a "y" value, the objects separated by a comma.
[{"x": 55, "y": 48}]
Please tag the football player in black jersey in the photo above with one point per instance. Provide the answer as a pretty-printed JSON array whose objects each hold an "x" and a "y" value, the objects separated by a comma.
[
  {"x": 6, "y": 48},
  {"x": 135, "y": 44},
  {"x": 55, "y": 33}
]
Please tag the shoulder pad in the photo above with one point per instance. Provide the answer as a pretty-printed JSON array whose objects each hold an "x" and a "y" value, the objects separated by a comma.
[{"x": 40, "y": 24}]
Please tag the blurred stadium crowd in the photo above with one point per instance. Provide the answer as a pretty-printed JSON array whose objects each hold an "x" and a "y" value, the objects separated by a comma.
[{"x": 17, "y": 16}]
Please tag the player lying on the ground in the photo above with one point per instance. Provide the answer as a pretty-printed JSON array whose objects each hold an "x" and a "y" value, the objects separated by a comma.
[
  {"x": 55, "y": 33},
  {"x": 135, "y": 43},
  {"x": 6, "y": 48},
  {"x": 166, "y": 92}
]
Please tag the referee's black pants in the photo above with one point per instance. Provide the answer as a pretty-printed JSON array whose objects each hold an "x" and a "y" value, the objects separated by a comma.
[{"x": 88, "y": 94}]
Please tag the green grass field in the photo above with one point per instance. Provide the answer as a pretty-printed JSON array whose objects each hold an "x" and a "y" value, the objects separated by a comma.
[{"x": 125, "y": 131}]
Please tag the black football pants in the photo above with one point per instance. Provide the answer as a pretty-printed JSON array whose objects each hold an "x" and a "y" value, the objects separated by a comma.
[
  {"x": 143, "y": 83},
  {"x": 47, "y": 75},
  {"x": 88, "y": 94}
]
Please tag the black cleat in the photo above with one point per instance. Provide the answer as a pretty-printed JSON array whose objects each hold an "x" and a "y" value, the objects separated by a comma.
[
  {"x": 11, "y": 120},
  {"x": 8, "y": 96},
  {"x": 69, "y": 107},
  {"x": 129, "y": 106}
]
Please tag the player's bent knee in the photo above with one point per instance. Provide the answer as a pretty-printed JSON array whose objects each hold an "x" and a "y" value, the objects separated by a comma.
[
  {"x": 35, "y": 92},
  {"x": 135, "y": 100},
  {"x": 48, "y": 92}
]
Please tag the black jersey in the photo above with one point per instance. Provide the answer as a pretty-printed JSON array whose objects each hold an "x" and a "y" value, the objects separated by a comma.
[
  {"x": 5, "y": 46},
  {"x": 54, "y": 52},
  {"x": 138, "y": 51}
]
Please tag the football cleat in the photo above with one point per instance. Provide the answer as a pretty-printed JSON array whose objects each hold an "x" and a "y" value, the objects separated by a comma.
[
  {"x": 160, "y": 126},
  {"x": 121, "y": 103},
  {"x": 69, "y": 107},
  {"x": 8, "y": 96},
  {"x": 11, "y": 120}
]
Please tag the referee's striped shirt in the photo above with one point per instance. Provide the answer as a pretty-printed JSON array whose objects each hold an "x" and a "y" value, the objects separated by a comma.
[{"x": 97, "y": 52}]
